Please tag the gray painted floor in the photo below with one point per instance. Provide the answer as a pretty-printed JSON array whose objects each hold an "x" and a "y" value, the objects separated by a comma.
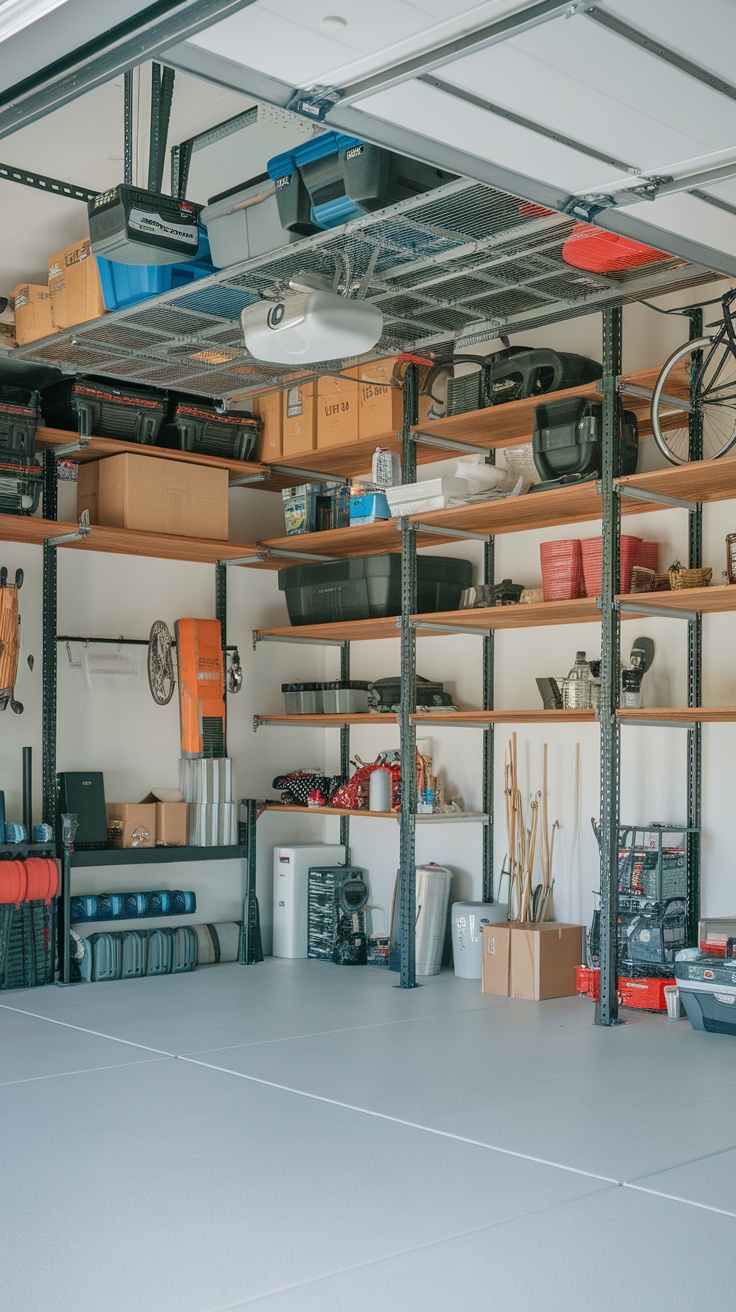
[{"x": 299, "y": 1136}]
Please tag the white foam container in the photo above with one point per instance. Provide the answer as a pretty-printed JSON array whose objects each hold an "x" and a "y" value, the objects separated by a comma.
[{"x": 433, "y": 494}]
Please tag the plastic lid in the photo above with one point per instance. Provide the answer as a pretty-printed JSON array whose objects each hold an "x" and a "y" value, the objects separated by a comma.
[
  {"x": 301, "y": 687},
  {"x": 346, "y": 685}
]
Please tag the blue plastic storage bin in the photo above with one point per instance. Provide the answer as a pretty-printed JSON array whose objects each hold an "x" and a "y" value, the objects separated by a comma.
[{"x": 127, "y": 284}]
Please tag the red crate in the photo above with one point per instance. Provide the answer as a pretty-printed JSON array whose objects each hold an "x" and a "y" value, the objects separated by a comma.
[
  {"x": 562, "y": 572},
  {"x": 592, "y": 549}
]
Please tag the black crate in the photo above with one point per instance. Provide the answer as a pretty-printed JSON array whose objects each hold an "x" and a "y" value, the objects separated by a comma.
[
  {"x": 18, "y": 423},
  {"x": 131, "y": 414},
  {"x": 200, "y": 429},
  {"x": 27, "y": 944},
  {"x": 369, "y": 587},
  {"x": 20, "y": 486}
]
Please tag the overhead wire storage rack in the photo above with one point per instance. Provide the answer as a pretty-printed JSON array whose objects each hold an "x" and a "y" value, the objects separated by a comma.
[{"x": 463, "y": 263}]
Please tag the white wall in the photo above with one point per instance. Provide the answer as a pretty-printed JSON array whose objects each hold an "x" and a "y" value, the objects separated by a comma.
[{"x": 136, "y": 743}]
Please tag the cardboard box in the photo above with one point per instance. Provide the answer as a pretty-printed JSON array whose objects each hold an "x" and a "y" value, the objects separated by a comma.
[
  {"x": 531, "y": 961},
  {"x": 32, "y": 308},
  {"x": 159, "y": 496},
  {"x": 269, "y": 409},
  {"x": 299, "y": 421},
  {"x": 131, "y": 824},
  {"x": 172, "y": 822},
  {"x": 74, "y": 284},
  {"x": 380, "y": 405},
  {"x": 337, "y": 412}
]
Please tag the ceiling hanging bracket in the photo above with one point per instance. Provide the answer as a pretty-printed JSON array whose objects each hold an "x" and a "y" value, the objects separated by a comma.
[
  {"x": 587, "y": 208},
  {"x": 315, "y": 103}
]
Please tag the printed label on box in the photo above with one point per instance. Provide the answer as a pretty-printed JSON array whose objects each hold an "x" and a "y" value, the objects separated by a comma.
[
  {"x": 154, "y": 224},
  {"x": 294, "y": 404}
]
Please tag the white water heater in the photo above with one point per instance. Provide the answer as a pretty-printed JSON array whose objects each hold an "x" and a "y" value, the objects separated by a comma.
[{"x": 291, "y": 867}]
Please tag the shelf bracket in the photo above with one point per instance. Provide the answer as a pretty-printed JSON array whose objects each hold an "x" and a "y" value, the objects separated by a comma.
[
  {"x": 427, "y": 627},
  {"x": 83, "y": 532},
  {"x": 80, "y": 443},
  {"x": 262, "y": 476},
  {"x": 660, "y": 724},
  {"x": 245, "y": 560},
  {"x": 282, "y": 552},
  {"x": 449, "y": 444},
  {"x": 667, "y": 612},
  {"x": 460, "y": 533},
  {"x": 308, "y": 475},
  {"x": 257, "y": 722},
  {"x": 658, "y": 498},
  {"x": 633, "y": 389},
  {"x": 305, "y": 642}
]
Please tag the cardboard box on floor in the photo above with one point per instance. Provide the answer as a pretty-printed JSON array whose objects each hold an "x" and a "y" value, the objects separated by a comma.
[
  {"x": 158, "y": 496},
  {"x": 131, "y": 824},
  {"x": 269, "y": 409},
  {"x": 31, "y": 304},
  {"x": 531, "y": 961},
  {"x": 172, "y": 826},
  {"x": 337, "y": 411},
  {"x": 74, "y": 284},
  {"x": 299, "y": 418}
]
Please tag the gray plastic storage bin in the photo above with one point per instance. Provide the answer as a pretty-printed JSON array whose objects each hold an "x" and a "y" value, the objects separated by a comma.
[
  {"x": 345, "y": 698},
  {"x": 244, "y": 222}
]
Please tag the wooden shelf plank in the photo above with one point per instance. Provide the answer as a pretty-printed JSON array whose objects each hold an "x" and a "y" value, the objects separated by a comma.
[
  {"x": 123, "y": 541},
  {"x": 506, "y": 717},
  {"x": 706, "y": 601},
  {"x": 326, "y": 721},
  {"x": 48, "y": 439},
  {"x": 452, "y": 818},
  {"x": 681, "y": 714},
  {"x": 702, "y": 480}
]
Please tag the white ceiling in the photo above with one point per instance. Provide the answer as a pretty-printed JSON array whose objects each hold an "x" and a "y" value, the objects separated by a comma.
[{"x": 571, "y": 76}]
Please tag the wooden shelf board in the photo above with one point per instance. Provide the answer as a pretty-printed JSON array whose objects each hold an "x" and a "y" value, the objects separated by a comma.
[
  {"x": 48, "y": 439},
  {"x": 362, "y": 540},
  {"x": 506, "y": 717},
  {"x": 510, "y": 424},
  {"x": 330, "y": 720},
  {"x": 452, "y": 818},
  {"x": 702, "y": 480},
  {"x": 122, "y": 541},
  {"x": 682, "y": 714},
  {"x": 707, "y": 601}
]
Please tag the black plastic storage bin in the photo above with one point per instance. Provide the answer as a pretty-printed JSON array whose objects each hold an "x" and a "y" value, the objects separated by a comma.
[
  {"x": 131, "y": 414},
  {"x": 27, "y": 944},
  {"x": 568, "y": 438},
  {"x": 20, "y": 487},
  {"x": 369, "y": 587},
  {"x": 18, "y": 423},
  {"x": 199, "y": 428}
]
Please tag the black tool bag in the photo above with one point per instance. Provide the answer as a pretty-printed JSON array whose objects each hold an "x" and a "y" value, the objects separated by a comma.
[
  {"x": 201, "y": 429},
  {"x": 522, "y": 371},
  {"x": 131, "y": 414},
  {"x": 568, "y": 436},
  {"x": 18, "y": 423}
]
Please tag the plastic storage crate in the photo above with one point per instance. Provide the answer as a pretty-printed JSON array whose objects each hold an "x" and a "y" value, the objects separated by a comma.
[
  {"x": 369, "y": 587},
  {"x": 132, "y": 414},
  {"x": 27, "y": 939},
  {"x": 18, "y": 423},
  {"x": 127, "y": 284},
  {"x": 200, "y": 429},
  {"x": 335, "y": 177},
  {"x": 244, "y": 222},
  {"x": 20, "y": 487},
  {"x": 707, "y": 990}
]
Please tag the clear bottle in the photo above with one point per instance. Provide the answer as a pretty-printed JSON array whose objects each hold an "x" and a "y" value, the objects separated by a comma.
[
  {"x": 386, "y": 468},
  {"x": 577, "y": 688}
]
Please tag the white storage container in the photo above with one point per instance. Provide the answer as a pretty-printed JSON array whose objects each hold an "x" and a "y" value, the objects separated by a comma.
[
  {"x": 433, "y": 895},
  {"x": 244, "y": 222},
  {"x": 433, "y": 494},
  {"x": 468, "y": 919},
  {"x": 291, "y": 893}
]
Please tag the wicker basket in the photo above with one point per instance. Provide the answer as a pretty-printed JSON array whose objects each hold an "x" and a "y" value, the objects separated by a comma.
[{"x": 689, "y": 578}]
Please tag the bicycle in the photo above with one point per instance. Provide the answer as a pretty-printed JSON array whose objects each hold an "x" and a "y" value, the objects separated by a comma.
[{"x": 711, "y": 394}]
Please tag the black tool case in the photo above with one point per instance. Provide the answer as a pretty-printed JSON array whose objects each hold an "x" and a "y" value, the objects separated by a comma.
[
  {"x": 18, "y": 423},
  {"x": 133, "y": 226},
  {"x": 429, "y": 693},
  {"x": 369, "y": 587},
  {"x": 568, "y": 437},
  {"x": 707, "y": 990},
  {"x": 521, "y": 371},
  {"x": 131, "y": 414},
  {"x": 200, "y": 429}
]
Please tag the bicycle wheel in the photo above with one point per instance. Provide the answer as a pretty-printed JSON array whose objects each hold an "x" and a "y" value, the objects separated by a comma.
[{"x": 711, "y": 391}]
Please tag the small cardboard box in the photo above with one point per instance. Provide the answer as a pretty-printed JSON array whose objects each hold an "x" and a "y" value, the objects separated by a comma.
[
  {"x": 269, "y": 409},
  {"x": 172, "y": 823},
  {"x": 131, "y": 824},
  {"x": 337, "y": 412},
  {"x": 158, "y": 496},
  {"x": 74, "y": 284},
  {"x": 32, "y": 308},
  {"x": 380, "y": 404},
  {"x": 531, "y": 961},
  {"x": 299, "y": 418}
]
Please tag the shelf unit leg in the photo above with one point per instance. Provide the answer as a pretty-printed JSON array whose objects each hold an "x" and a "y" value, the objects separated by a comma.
[
  {"x": 694, "y": 678},
  {"x": 407, "y": 859},
  {"x": 251, "y": 950},
  {"x": 345, "y": 749},
  {"x": 489, "y": 573},
  {"x": 65, "y": 916},
  {"x": 607, "y": 1006}
]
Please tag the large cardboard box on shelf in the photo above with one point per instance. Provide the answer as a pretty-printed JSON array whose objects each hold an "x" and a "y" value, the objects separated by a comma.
[
  {"x": 156, "y": 496},
  {"x": 299, "y": 418},
  {"x": 31, "y": 304},
  {"x": 531, "y": 961},
  {"x": 381, "y": 398},
  {"x": 172, "y": 823},
  {"x": 74, "y": 284},
  {"x": 337, "y": 411},
  {"x": 269, "y": 409},
  {"x": 131, "y": 824}
]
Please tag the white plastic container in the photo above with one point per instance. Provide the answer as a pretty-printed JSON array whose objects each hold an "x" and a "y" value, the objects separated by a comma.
[
  {"x": 433, "y": 895},
  {"x": 291, "y": 893},
  {"x": 379, "y": 790},
  {"x": 433, "y": 494},
  {"x": 244, "y": 222},
  {"x": 467, "y": 920}
]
